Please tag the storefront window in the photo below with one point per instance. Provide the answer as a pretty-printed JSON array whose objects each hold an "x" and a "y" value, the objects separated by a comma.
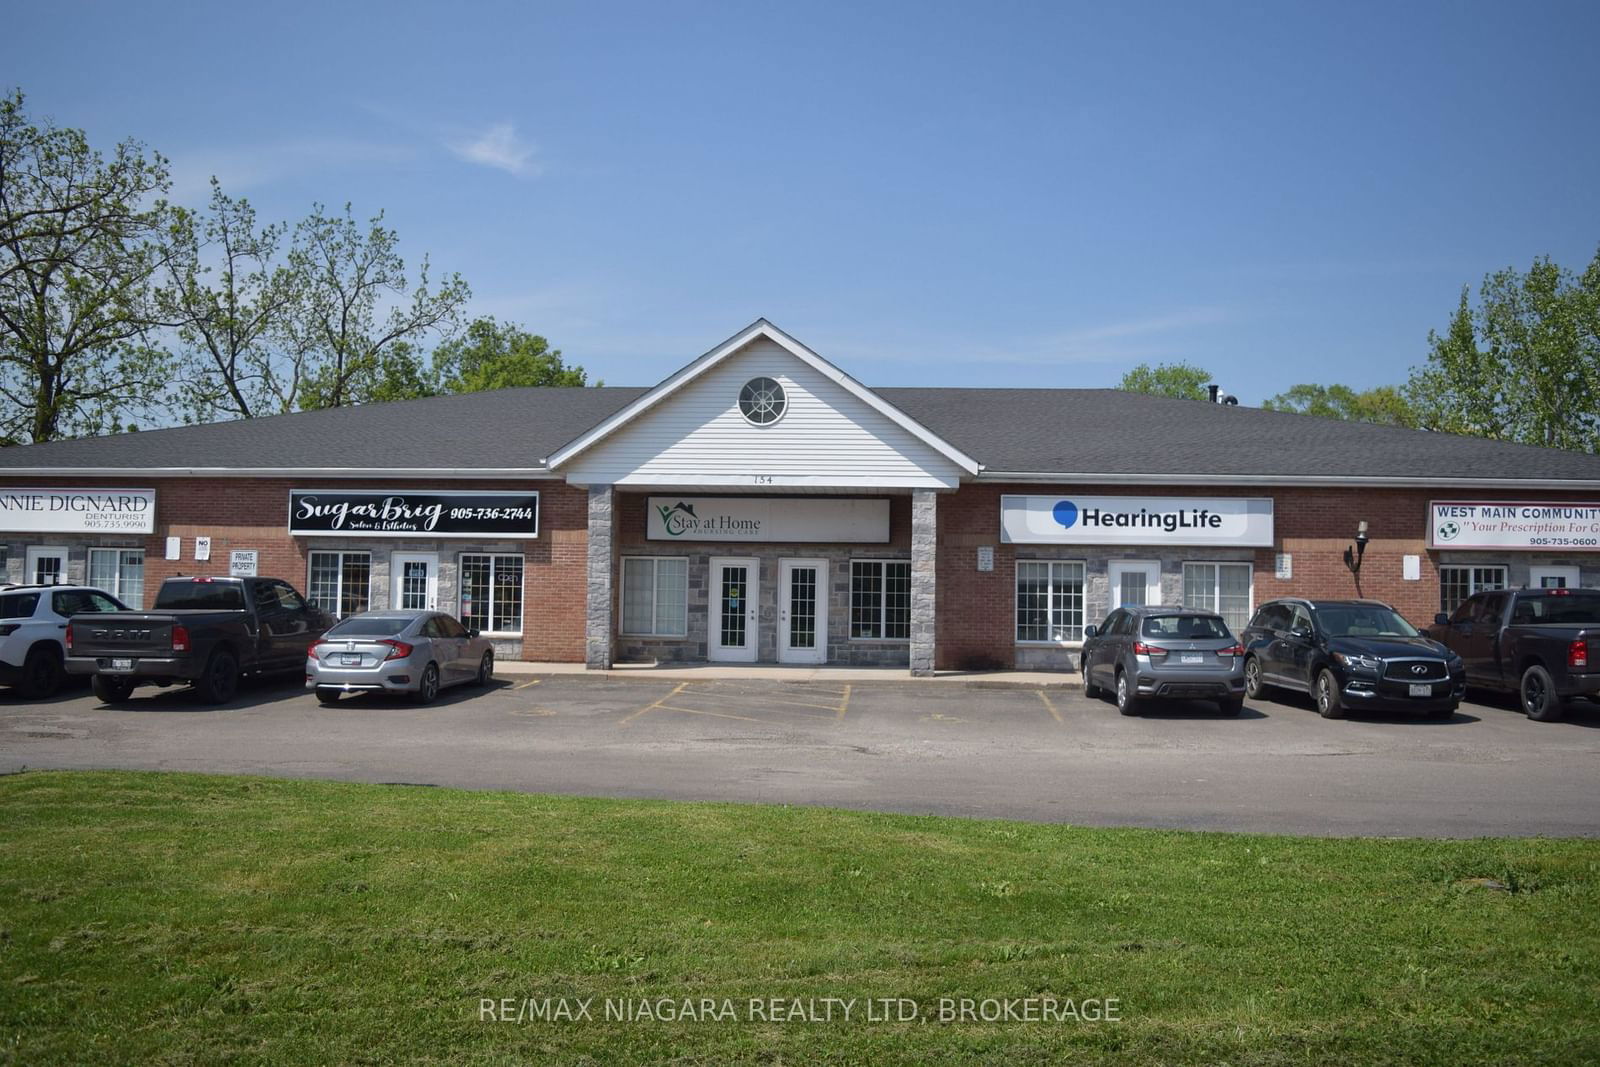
[
  {"x": 340, "y": 583},
  {"x": 1456, "y": 583},
  {"x": 491, "y": 593},
  {"x": 120, "y": 572},
  {"x": 1049, "y": 601},
  {"x": 655, "y": 596},
  {"x": 880, "y": 599},
  {"x": 1220, "y": 587}
]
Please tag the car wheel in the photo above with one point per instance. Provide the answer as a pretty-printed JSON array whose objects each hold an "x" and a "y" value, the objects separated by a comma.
[
  {"x": 327, "y": 697},
  {"x": 111, "y": 690},
  {"x": 1254, "y": 687},
  {"x": 1329, "y": 706},
  {"x": 1231, "y": 706},
  {"x": 1539, "y": 698},
  {"x": 1090, "y": 690},
  {"x": 428, "y": 688},
  {"x": 220, "y": 680},
  {"x": 1127, "y": 703},
  {"x": 486, "y": 669},
  {"x": 42, "y": 674}
]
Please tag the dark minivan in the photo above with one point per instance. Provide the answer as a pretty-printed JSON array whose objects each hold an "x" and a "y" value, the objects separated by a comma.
[{"x": 1350, "y": 654}]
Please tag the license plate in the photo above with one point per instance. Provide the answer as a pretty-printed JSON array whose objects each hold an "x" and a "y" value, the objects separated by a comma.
[
  {"x": 122, "y": 665},
  {"x": 1191, "y": 658},
  {"x": 350, "y": 659},
  {"x": 1421, "y": 689}
]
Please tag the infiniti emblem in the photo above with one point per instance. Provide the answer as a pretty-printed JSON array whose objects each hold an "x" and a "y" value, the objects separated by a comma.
[{"x": 1419, "y": 668}]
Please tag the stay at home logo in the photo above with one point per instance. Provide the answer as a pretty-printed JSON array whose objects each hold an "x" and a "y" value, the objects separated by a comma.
[
  {"x": 1069, "y": 514},
  {"x": 679, "y": 520}
]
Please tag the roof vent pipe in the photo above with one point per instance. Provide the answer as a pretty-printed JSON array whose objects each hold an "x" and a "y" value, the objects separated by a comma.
[{"x": 1211, "y": 391}]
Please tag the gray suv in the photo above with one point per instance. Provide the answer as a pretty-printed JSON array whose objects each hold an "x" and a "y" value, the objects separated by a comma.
[{"x": 1151, "y": 652}]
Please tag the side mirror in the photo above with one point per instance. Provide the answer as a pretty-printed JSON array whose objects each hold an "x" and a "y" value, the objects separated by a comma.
[
  {"x": 1090, "y": 630},
  {"x": 472, "y": 633},
  {"x": 1300, "y": 633},
  {"x": 1441, "y": 619}
]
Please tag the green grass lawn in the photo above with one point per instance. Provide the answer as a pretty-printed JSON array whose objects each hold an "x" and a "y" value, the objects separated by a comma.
[{"x": 184, "y": 918}]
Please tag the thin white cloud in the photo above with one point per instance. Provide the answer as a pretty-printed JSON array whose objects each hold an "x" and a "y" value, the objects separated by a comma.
[{"x": 501, "y": 148}]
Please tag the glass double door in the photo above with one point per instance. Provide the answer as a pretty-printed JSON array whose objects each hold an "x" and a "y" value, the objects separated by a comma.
[{"x": 735, "y": 616}]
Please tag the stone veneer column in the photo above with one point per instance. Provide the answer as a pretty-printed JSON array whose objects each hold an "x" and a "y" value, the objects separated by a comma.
[
  {"x": 924, "y": 549},
  {"x": 597, "y": 628}
]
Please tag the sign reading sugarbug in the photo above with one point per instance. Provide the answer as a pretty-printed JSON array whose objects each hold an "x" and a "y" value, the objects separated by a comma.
[
  {"x": 1514, "y": 524},
  {"x": 753, "y": 519},
  {"x": 403, "y": 513},
  {"x": 30, "y": 510},
  {"x": 1136, "y": 520}
]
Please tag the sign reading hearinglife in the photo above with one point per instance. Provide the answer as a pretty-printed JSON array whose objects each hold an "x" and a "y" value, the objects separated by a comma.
[
  {"x": 1244, "y": 522},
  {"x": 1514, "y": 524},
  {"x": 752, "y": 519},
  {"x": 78, "y": 510},
  {"x": 370, "y": 513}
]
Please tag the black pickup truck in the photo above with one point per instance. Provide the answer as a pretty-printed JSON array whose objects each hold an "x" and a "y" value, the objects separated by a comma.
[
  {"x": 1538, "y": 643},
  {"x": 201, "y": 631}
]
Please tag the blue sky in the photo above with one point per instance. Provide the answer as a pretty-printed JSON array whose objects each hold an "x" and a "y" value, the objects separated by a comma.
[{"x": 926, "y": 193}]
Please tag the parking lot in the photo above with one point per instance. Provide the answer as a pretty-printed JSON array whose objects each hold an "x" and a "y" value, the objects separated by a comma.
[{"x": 1041, "y": 754}]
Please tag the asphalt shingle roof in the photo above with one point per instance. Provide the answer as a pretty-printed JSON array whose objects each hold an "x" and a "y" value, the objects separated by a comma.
[{"x": 1066, "y": 431}]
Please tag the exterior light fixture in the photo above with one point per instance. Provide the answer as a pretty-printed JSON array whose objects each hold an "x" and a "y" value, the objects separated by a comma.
[{"x": 1352, "y": 556}]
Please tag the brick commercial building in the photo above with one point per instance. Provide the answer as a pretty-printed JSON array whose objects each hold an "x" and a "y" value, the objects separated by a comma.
[{"x": 760, "y": 505}]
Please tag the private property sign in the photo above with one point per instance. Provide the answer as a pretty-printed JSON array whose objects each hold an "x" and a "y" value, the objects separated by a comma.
[
  {"x": 403, "y": 513},
  {"x": 1136, "y": 520},
  {"x": 1520, "y": 524},
  {"x": 78, "y": 510},
  {"x": 757, "y": 519}
]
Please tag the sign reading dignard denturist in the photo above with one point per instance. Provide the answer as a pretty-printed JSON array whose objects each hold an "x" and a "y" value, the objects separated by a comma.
[
  {"x": 1136, "y": 520},
  {"x": 1520, "y": 524},
  {"x": 751, "y": 519},
  {"x": 403, "y": 513},
  {"x": 32, "y": 510}
]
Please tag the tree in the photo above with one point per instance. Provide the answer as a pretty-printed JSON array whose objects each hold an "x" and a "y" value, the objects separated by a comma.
[
  {"x": 228, "y": 366},
  {"x": 1181, "y": 380},
  {"x": 338, "y": 343},
  {"x": 491, "y": 356},
  {"x": 1523, "y": 366},
  {"x": 77, "y": 250},
  {"x": 1384, "y": 404}
]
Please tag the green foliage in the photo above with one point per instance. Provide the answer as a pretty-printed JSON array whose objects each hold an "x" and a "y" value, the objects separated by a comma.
[
  {"x": 1384, "y": 404},
  {"x": 491, "y": 356},
  {"x": 1524, "y": 365},
  {"x": 1183, "y": 381},
  {"x": 77, "y": 250}
]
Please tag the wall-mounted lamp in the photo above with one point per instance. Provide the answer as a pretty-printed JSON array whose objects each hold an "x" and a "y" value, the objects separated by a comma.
[{"x": 1352, "y": 556}]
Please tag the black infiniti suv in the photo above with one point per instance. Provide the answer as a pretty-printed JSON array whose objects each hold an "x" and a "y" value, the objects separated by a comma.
[{"x": 1350, "y": 654}]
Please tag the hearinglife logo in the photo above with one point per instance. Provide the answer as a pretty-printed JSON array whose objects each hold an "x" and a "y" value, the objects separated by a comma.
[{"x": 1068, "y": 515}]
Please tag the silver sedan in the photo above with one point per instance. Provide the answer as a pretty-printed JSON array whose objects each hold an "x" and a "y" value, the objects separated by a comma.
[{"x": 412, "y": 652}]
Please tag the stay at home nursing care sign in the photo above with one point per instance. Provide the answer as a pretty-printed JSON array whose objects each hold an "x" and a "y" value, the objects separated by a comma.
[
  {"x": 78, "y": 510},
  {"x": 1515, "y": 524},
  {"x": 758, "y": 519},
  {"x": 1136, "y": 520}
]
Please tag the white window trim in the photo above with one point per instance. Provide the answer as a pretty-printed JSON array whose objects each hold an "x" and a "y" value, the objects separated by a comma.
[
  {"x": 883, "y": 602},
  {"x": 1216, "y": 590},
  {"x": 1063, "y": 643},
  {"x": 339, "y": 596},
  {"x": 622, "y": 598},
  {"x": 461, "y": 585},
  {"x": 118, "y": 549},
  {"x": 1472, "y": 585}
]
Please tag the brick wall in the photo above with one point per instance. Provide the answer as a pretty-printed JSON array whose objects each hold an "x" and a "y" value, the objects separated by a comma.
[
  {"x": 977, "y": 610},
  {"x": 252, "y": 513}
]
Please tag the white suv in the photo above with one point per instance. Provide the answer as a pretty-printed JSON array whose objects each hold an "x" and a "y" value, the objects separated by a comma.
[{"x": 33, "y": 619}]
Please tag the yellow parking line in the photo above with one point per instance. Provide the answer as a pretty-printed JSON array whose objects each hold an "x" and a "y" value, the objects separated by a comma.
[
  {"x": 657, "y": 704},
  {"x": 714, "y": 714},
  {"x": 845, "y": 704},
  {"x": 1049, "y": 705},
  {"x": 525, "y": 685}
]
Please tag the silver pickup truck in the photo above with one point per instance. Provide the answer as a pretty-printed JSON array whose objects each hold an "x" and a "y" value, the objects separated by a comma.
[{"x": 204, "y": 632}]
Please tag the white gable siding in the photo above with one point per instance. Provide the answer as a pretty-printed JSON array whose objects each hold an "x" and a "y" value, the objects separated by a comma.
[{"x": 826, "y": 438}]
